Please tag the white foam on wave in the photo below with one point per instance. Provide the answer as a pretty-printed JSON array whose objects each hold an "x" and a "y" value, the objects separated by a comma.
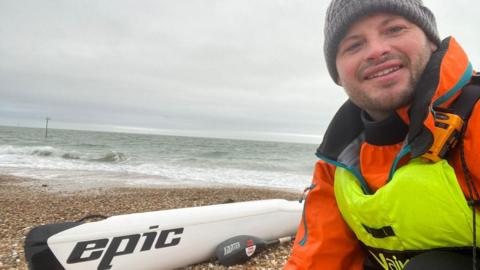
[
  {"x": 150, "y": 173},
  {"x": 26, "y": 150},
  {"x": 93, "y": 167}
]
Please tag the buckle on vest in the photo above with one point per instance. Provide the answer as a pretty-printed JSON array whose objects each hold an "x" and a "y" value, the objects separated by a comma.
[
  {"x": 448, "y": 129},
  {"x": 383, "y": 232}
]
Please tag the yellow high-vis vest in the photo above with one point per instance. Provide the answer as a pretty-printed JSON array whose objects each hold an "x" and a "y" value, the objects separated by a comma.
[{"x": 421, "y": 208}]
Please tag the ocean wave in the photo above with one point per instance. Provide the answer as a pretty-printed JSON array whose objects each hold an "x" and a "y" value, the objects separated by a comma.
[
  {"x": 187, "y": 160},
  {"x": 42, "y": 152},
  {"x": 92, "y": 145},
  {"x": 70, "y": 156},
  {"x": 231, "y": 163},
  {"x": 214, "y": 154},
  {"x": 52, "y": 152},
  {"x": 111, "y": 156},
  {"x": 27, "y": 150}
]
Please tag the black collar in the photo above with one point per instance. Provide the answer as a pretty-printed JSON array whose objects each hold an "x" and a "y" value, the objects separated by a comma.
[
  {"x": 391, "y": 130},
  {"x": 349, "y": 124}
]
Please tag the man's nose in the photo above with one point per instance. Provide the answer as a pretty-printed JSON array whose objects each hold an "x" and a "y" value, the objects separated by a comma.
[{"x": 377, "y": 50}]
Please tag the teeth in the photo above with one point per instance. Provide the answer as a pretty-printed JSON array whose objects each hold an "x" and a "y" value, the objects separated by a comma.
[{"x": 383, "y": 72}]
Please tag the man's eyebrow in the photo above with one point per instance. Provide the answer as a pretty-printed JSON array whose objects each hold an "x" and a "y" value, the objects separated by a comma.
[
  {"x": 389, "y": 20},
  {"x": 357, "y": 36},
  {"x": 350, "y": 37}
]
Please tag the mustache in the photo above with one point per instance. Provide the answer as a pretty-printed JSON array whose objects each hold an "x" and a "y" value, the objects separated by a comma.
[{"x": 378, "y": 61}]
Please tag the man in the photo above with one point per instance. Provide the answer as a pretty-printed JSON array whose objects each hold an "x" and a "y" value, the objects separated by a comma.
[{"x": 388, "y": 193}]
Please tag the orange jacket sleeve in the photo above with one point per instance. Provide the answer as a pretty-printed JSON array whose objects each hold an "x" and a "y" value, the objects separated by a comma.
[
  {"x": 471, "y": 144},
  {"x": 323, "y": 239}
]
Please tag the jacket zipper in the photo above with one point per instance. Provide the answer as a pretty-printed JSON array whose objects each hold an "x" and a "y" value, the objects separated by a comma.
[{"x": 304, "y": 217}]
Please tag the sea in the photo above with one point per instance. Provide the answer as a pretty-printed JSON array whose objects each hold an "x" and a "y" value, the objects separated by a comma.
[{"x": 72, "y": 159}]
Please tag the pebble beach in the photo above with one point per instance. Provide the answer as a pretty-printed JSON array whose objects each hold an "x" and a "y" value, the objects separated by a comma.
[{"x": 25, "y": 203}]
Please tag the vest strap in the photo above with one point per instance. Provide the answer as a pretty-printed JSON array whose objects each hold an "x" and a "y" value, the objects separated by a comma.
[
  {"x": 465, "y": 103},
  {"x": 383, "y": 232},
  {"x": 474, "y": 203}
]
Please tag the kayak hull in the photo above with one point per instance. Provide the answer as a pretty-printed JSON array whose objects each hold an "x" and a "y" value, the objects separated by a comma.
[{"x": 166, "y": 239}]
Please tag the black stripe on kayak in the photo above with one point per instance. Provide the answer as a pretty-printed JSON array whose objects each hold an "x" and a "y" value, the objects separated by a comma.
[{"x": 37, "y": 253}]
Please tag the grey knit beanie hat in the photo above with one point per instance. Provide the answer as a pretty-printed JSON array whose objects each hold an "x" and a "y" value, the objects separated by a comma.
[{"x": 341, "y": 14}]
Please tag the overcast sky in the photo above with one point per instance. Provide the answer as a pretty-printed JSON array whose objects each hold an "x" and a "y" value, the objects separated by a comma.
[{"x": 251, "y": 69}]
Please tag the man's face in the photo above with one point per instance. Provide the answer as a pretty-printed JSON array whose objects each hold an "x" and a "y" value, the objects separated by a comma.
[{"x": 380, "y": 60}]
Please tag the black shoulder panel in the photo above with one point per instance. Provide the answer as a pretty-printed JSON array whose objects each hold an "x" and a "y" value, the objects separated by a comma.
[
  {"x": 343, "y": 129},
  {"x": 419, "y": 137},
  {"x": 37, "y": 253},
  {"x": 464, "y": 104}
]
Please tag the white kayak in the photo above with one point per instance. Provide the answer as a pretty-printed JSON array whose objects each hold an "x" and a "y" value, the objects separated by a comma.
[{"x": 166, "y": 239}]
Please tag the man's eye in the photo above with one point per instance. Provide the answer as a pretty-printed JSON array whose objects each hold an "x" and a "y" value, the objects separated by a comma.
[
  {"x": 352, "y": 47},
  {"x": 395, "y": 29}
]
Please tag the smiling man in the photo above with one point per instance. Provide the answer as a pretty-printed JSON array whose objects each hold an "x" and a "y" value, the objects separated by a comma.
[
  {"x": 380, "y": 60},
  {"x": 396, "y": 184}
]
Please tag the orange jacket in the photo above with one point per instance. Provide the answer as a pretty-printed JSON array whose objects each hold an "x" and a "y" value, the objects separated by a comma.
[{"x": 323, "y": 239}]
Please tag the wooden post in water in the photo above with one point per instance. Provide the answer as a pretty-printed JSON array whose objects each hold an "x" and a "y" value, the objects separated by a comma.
[{"x": 46, "y": 127}]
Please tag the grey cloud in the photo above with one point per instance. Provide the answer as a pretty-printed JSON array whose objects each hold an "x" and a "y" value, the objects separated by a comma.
[{"x": 212, "y": 65}]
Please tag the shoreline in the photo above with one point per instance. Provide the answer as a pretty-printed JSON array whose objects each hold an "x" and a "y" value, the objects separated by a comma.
[
  {"x": 26, "y": 203},
  {"x": 74, "y": 186}
]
